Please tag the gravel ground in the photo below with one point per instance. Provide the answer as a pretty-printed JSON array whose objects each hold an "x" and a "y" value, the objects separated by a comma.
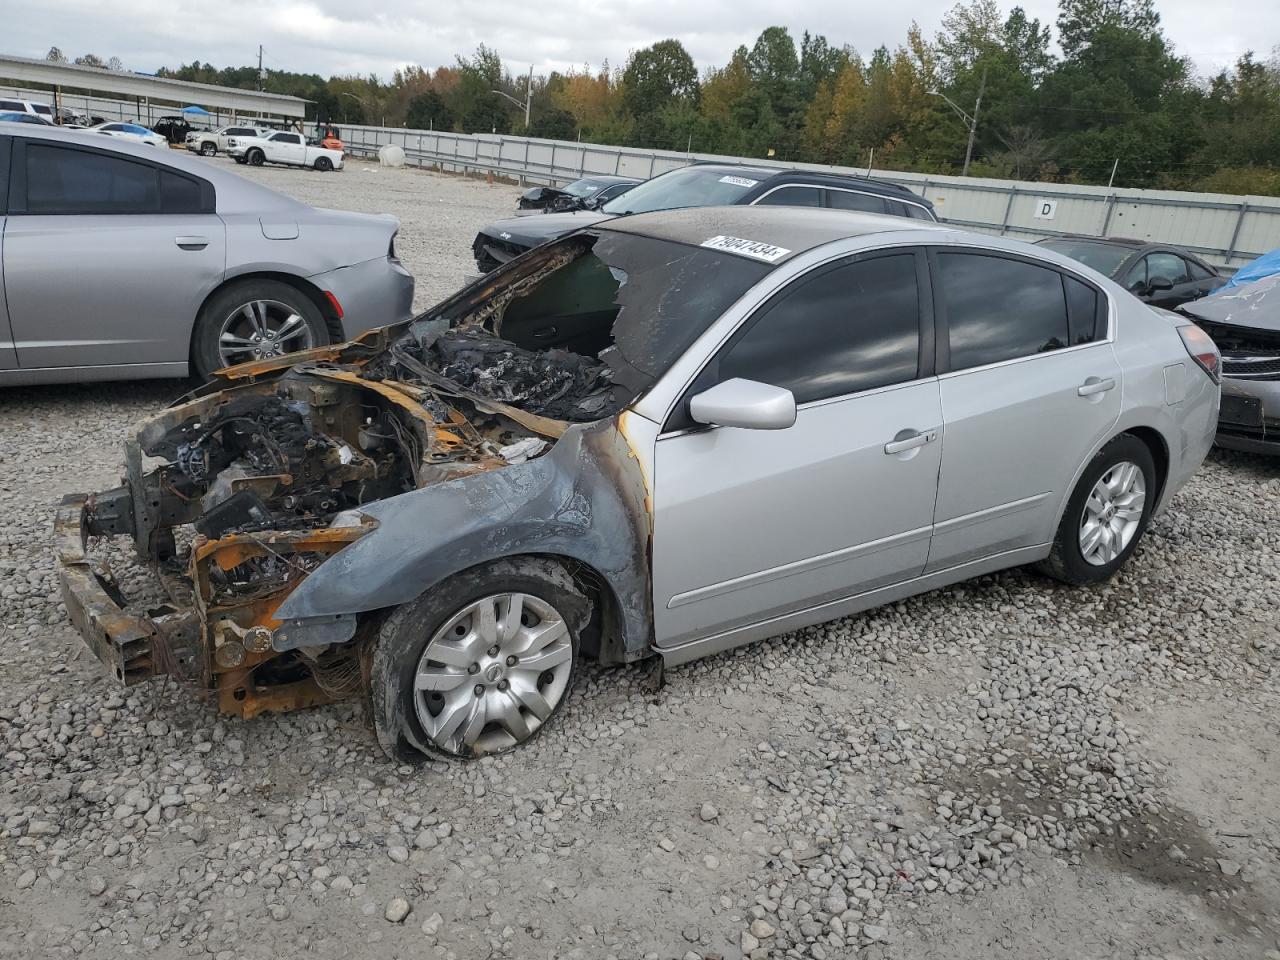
[{"x": 1006, "y": 768}]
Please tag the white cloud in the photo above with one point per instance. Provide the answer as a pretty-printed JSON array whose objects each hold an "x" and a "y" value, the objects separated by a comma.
[{"x": 345, "y": 36}]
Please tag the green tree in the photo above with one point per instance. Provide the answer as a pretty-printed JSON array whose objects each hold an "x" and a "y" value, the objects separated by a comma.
[
  {"x": 656, "y": 80},
  {"x": 428, "y": 111},
  {"x": 477, "y": 107}
]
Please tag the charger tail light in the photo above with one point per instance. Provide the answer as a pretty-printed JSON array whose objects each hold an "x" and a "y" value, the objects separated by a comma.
[
  {"x": 333, "y": 302},
  {"x": 1203, "y": 350}
]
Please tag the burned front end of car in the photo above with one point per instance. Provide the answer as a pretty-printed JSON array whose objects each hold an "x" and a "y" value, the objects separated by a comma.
[
  {"x": 243, "y": 494},
  {"x": 236, "y": 497}
]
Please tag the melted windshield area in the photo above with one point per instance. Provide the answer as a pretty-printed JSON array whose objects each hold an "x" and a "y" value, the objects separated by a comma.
[
  {"x": 578, "y": 333},
  {"x": 1103, "y": 257},
  {"x": 686, "y": 187}
]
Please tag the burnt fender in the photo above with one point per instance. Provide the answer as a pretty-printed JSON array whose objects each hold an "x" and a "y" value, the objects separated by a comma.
[{"x": 586, "y": 499}]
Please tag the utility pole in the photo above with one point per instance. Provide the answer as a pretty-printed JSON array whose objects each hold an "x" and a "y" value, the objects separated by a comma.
[
  {"x": 973, "y": 127},
  {"x": 970, "y": 121},
  {"x": 261, "y": 76},
  {"x": 528, "y": 99}
]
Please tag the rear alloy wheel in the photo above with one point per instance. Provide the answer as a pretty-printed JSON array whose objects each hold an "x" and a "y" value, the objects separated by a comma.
[
  {"x": 324, "y": 164},
  {"x": 479, "y": 664},
  {"x": 255, "y": 320},
  {"x": 208, "y": 149},
  {"x": 1106, "y": 515},
  {"x": 256, "y": 158}
]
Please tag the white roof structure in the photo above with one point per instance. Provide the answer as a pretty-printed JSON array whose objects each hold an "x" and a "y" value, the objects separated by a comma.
[{"x": 126, "y": 84}]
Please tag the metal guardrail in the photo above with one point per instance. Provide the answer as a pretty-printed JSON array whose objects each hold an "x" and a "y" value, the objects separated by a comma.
[{"x": 1226, "y": 229}]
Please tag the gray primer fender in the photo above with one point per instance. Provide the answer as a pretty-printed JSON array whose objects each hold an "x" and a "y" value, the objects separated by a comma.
[{"x": 586, "y": 499}]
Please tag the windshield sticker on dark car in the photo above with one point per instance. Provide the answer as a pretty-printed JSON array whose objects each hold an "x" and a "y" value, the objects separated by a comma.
[
  {"x": 739, "y": 181},
  {"x": 748, "y": 248}
]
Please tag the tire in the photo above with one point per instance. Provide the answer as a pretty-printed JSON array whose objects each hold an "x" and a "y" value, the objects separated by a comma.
[
  {"x": 208, "y": 149},
  {"x": 470, "y": 710},
  {"x": 1069, "y": 561},
  {"x": 239, "y": 160},
  {"x": 255, "y": 158},
  {"x": 232, "y": 300},
  {"x": 324, "y": 164}
]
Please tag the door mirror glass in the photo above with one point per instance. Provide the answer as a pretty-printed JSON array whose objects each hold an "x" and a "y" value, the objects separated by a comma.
[
  {"x": 1160, "y": 283},
  {"x": 744, "y": 403}
]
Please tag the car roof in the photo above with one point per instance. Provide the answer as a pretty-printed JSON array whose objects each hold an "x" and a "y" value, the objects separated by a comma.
[
  {"x": 235, "y": 193},
  {"x": 608, "y": 178},
  {"x": 794, "y": 229},
  {"x": 1130, "y": 243}
]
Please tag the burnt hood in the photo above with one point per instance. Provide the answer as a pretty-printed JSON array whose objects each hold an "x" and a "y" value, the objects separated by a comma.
[
  {"x": 533, "y": 231},
  {"x": 1255, "y": 305}
]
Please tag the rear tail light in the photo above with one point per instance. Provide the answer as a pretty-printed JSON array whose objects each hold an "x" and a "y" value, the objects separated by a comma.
[
  {"x": 333, "y": 302},
  {"x": 1203, "y": 350}
]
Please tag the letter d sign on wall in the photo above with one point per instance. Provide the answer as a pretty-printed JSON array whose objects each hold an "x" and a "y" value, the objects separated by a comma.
[{"x": 1046, "y": 209}]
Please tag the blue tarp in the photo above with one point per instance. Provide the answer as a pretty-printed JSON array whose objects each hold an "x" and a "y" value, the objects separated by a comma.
[
  {"x": 198, "y": 111},
  {"x": 1265, "y": 266}
]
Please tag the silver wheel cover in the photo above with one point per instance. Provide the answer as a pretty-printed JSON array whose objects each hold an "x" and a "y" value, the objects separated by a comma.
[
  {"x": 1112, "y": 513},
  {"x": 260, "y": 329},
  {"x": 493, "y": 674}
]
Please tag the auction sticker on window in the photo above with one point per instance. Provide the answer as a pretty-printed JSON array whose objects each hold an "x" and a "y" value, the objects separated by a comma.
[
  {"x": 749, "y": 248},
  {"x": 740, "y": 181}
]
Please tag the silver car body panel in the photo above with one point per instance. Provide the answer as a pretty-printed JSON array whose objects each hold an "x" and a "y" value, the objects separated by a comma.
[{"x": 129, "y": 308}]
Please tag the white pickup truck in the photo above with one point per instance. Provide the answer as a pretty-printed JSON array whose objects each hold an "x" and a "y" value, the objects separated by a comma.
[
  {"x": 209, "y": 143},
  {"x": 282, "y": 147}
]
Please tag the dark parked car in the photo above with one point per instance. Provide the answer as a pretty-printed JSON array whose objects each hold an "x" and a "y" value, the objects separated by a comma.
[
  {"x": 1156, "y": 273},
  {"x": 585, "y": 194},
  {"x": 173, "y": 129},
  {"x": 1245, "y": 324},
  {"x": 704, "y": 185}
]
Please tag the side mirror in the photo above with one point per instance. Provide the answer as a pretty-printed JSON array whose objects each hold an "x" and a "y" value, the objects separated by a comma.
[
  {"x": 1159, "y": 283},
  {"x": 746, "y": 404}
]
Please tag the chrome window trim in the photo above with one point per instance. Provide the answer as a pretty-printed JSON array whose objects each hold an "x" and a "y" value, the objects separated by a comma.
[
  {"x": 790, "y": 186},
  {"x": 933, "y": 217}
]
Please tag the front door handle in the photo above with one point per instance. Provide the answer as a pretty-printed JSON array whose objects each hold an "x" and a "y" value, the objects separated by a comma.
[
  {"x": 915, "y": 438},
  {"x": 191, "y": 243},
  {"x": 1095, "y": 385}
]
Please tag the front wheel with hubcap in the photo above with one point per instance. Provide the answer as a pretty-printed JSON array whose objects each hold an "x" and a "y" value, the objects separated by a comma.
[
  {"x": 255, "y": 320},
  {"x": 256, "y": 158},
  {"x": 480, "y": 663},
  {"x": 1106, "y": 515},
  {"x": 208, "y": 149},
  {"x": 324, "y": 164}
]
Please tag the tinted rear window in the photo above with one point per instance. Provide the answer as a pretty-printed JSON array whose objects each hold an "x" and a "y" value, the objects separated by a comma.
[
  {"x": 999, "y": 309},
  {"x": 77, "y": 181}
]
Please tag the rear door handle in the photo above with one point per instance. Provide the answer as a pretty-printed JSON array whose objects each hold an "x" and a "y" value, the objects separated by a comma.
[
  {"x": 1095, "y": 385},
  {"x": 916, "y": 439},
  {"x": 191, "y": 243}
]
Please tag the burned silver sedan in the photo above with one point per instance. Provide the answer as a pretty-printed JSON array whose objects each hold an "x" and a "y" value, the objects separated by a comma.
[{"x": 662, "y": 436}]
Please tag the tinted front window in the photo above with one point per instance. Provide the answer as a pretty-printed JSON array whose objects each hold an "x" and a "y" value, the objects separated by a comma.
[
  {"x": 999, "y": 309},
  {"x": 848, "y": 200},
  {"x": 15, "y": 105},
  {"x": 1106, "y": 258},
  {"x": 60, "y": 180},
  {"x": 917, "y": 212},
  {"x": 1198, "y": 272},
  {"x": 854, "y": 327},
  {"x": 792, "y": 197},
  {"x": 179, "y": 194},
  {"x": 686, "y": 187}
]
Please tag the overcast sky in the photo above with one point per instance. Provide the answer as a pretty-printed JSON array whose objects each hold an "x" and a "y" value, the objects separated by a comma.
[{"x": 348, "y": 36}]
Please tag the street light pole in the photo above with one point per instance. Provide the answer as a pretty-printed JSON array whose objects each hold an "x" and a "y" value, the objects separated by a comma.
[
  {"x": 970, "y": 121},
  {"x": 528, "y": 98}
]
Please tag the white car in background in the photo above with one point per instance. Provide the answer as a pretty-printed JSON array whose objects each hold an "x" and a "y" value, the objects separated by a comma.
[
  {"x": 291, "y": 149},
  {"x": 130, "y": 131},
  {"x": 209, "y": 143},
  {"x": 41, "y": 110}
]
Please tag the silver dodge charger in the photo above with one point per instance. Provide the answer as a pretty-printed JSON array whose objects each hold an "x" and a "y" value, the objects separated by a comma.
[
  {"x": 124, "y": 262},
  {"x": 661, "y": 436}
]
